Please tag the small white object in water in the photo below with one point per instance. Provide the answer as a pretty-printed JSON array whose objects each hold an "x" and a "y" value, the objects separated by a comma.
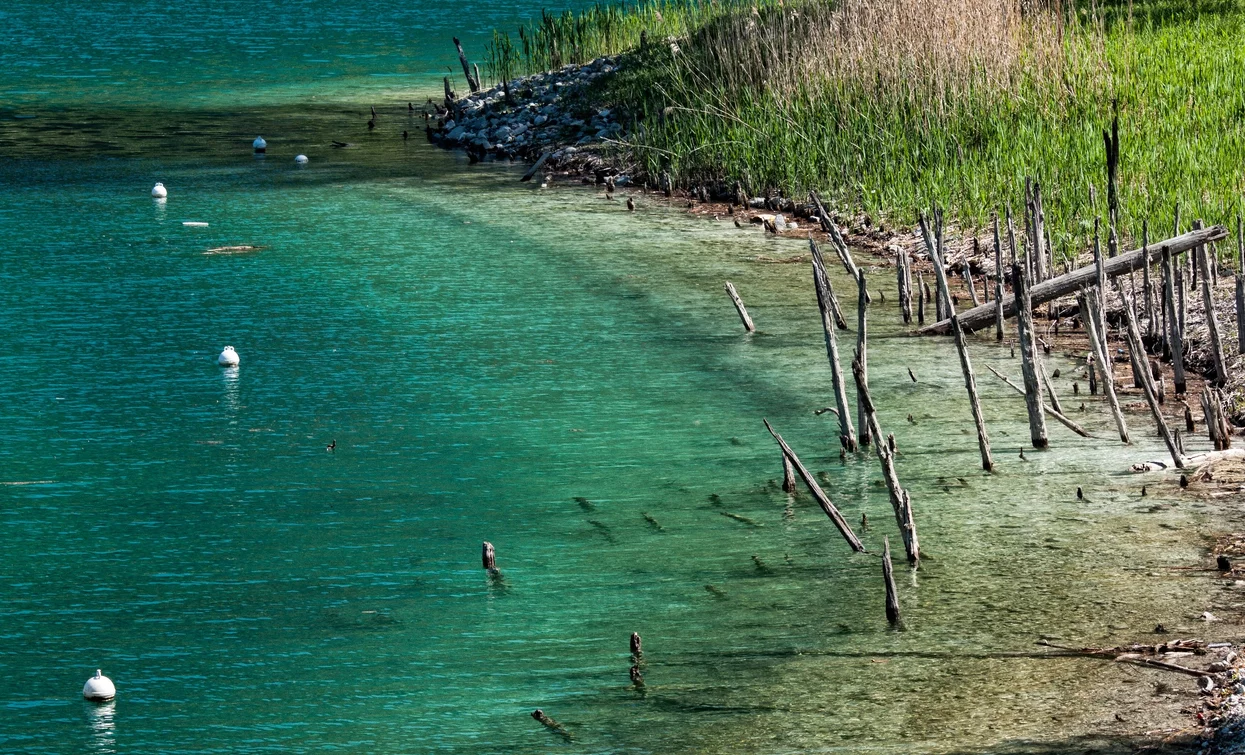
[
  {"x": 99, "y": 687},
  {"x": 195, "y": 223},
  {"x": 159, "y": 192},
  {"x": 259, "y": 144},
  {"x": 228, "y": 357},
  {"x": 301, "y": 159}
]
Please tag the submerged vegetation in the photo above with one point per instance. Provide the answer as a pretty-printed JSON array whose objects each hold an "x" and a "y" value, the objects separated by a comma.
[{"x": 884, "y": 106}]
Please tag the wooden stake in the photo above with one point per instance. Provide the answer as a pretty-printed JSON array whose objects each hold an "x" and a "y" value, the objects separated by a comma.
[
  {"x": 904, "y": 274},
  {"x": 840, "y": 248},
  {"x": 862, "y": 351},
  {"x": 1029, "y": 360},
  {"x": 847, "y": 434},
  {"x": 839, "y": 321},
  {"x": 998, "y": 282},
  {"x": 788, "y": 475},
  {"x": 1090, "y": 297},
  {"x": 472, "y": 82},
  {"x": 888, "y": 574},
  {"x": 920, "y": 299},
  {"x": 970, "y": 383},
  {"x": 1174, "y": 336},
  {"x": 1139, "y": 356},
  {"x": 1212, "y": 321},
  {"x": 900, "y": 501},
  {"x": 1146, "y": 285},
  {"x": 739, "y": 307},
  {"x": 818, "y": 494},
  {"x": 1069, "y": 283},
  {"x": 489, "y": 556},
  {"x": 968, "y": 277}
]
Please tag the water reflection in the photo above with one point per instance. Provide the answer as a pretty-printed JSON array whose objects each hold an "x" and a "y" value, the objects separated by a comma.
[
  {"x": 100, "y": 717},
  {"x": 232, "y": 403}
]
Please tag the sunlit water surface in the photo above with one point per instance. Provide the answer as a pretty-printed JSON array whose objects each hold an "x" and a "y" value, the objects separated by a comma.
[{"x": 539, "y": 369}]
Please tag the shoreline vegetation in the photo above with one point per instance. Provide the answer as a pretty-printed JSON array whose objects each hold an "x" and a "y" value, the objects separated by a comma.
[{"x": 1057, "y": 136}]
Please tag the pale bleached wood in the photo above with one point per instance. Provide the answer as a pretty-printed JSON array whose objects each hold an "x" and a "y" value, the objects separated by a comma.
[{"x": 818, "y": 494}]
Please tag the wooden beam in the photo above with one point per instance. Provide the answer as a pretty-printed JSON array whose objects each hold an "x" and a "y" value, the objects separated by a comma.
[
  {"x": 818, "y": 494},
  {"x": 1069, "y": 283}
]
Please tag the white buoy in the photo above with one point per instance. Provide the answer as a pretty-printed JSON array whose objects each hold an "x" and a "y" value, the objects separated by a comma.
[
  {"x": 159, "y": 192},
  {"x": 228, "y": 358},
  {"x": 99, "y": 687},
  {"x": 260, "y": 145},
  {"x": 301, "y": 160}
]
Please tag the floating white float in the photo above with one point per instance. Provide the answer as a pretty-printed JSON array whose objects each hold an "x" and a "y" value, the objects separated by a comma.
[
  {"x": 99, "y": 687},
  {"x": 301, "y": 160},
  {"x": 260, "y": 145},
  {"x": 195, "y": 223},
  {"x": 228, "y": 358},
  {"x": 159, "y": 192}
]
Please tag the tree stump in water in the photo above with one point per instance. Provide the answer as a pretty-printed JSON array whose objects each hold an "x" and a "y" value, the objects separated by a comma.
[{"x": 1029, "y": 359}]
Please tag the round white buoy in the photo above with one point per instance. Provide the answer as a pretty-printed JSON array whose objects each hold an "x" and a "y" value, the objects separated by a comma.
[
  {"x": 259, "y": 144},
  {"x": 228, "y": 358},
  {"x": 99, "y": 687},
  {"x": 159, "y": 192},
  {"x": 301, "y": 160}
]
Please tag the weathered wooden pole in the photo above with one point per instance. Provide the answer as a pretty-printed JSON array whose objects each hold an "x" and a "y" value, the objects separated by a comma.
[
  {"x": 968, "y": 275},
  {"x": 818, "y": 494},
  {"x": 1069, "y": 283},
  {"x": 862, "y": 350},
  {"x": 931, "y": 249},
  {"x": 847, "y": 434},
  {"x": 839, "y": 321},
  {"x": 845, "y": 256},
  {"x": 904, "y": 275},
  {"x": 739, "y": 307},
  {"x": 489, "y": 556},
  {"x": 998, "y": 282},
  {"x": 1052, "y": 411},
  {"x": 970, "y": 383},
  {"x": 473, "y": 82},
  {"x": 1029, "y": 359},
  {"x": 1104, "y": 358},
  {"x": 637, "y": 646},
  {"x": 1111, "y": 139},
  {"x": 1175, "y": 336},
  {"x": 940, "y": 272},
  {"x": 1037, "y": 235},
  {"x": 1240, "y": 287},
  {"x": 920, "y": 299},
  {"x": 1139, "y": 355},
  {"x": 892, "y": 595},
  {"x": 901, "y": 502},
  {"x": 1212, "y": 320},
  {"x": 1146, "y": 284}
]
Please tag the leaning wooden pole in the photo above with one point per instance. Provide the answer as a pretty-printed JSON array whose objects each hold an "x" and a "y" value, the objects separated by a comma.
[
  {"x": 892, "y": 595},
  {"x": 970, "y": 383},
  {"x": 839, "y": 321},
  {"x": 901, "y": 502},
  {"x": 1069, "y": 283},
  {"x": 1174, "y": 322},
  {"x": 818, "y": 494},
  {"x": 788, "y": 475},
  {"x": 1054, "y": 413},
  {"x": 862, "y": 349},
  {"x": 1029, "y": 359},
  {"x": 740, "y": 308},
  {"x": 1139, "y": 357},
  {"x": 1095, "y": 326},
  {"x": 1212, "y": 321},
  {"x": 473, "y": 82},
  {"x": 847, "y": 434}
]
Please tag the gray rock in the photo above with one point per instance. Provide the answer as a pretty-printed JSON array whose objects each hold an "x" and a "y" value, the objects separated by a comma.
[
  {"x": 540, "y": 119},
  {"x": 456, "y": 133}
]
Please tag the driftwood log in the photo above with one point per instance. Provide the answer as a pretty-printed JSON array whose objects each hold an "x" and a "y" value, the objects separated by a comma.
[
  {"x": 818, "y": 494},
  {"x": 740, "y": 308},
  {"x": 1069, "y": 283}
]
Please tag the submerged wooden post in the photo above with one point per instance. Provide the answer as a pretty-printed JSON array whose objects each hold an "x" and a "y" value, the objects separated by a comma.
[
  {"x": 920, "y": 299},
  {"x": 739, "y": 307},
  {"x": 888, "y": 574},
  {"x": 1052, "y": 411},
  {"x": 489, "y": 556},
  {"x": 788, "y": 475},
  {"x": 970, "y": 382},
  {"x": 847, "y": 434},
  {"x": 998, "y": 282},
  {"x": 904, "y": 271},
  {"x": 1029, "y": 359},
  {"x": 1139, "y": 355},
  {"x": 473, "y": 82},
  {"x": 862, "y": 350},
  {"x": 818, "y": 494},
  {"x": 1174, "y": 322},
  {"x": 1212, "y": 321},
  {"x": 900, "y": 501},
  {"x": 1104, "y": 359}
]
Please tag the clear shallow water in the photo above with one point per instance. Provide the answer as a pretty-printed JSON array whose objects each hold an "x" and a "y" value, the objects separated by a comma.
[{"x": 484, "y": 353}]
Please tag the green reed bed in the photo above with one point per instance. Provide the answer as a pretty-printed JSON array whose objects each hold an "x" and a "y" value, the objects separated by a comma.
[{"x": 885, "y": 107}]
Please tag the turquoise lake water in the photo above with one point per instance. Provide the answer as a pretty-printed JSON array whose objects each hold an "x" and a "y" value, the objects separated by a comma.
[{"x": 484, "y": 354}]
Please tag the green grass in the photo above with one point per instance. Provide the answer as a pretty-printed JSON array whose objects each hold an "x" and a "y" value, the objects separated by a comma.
[{"x": 885, "y": 135}]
